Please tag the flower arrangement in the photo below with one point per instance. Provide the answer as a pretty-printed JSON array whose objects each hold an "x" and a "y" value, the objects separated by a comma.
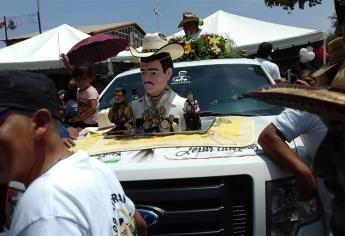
[{"x": 207, "y": 46}]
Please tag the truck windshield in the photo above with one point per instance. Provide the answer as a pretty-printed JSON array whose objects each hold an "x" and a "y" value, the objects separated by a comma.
[{"x": 216, "y": 87}]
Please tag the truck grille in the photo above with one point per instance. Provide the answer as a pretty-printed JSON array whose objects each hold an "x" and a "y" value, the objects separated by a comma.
[{"x": 197, "y": 206}]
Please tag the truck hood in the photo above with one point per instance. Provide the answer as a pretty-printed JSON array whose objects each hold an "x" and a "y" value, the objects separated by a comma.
[{"x": 188, "y": 162}]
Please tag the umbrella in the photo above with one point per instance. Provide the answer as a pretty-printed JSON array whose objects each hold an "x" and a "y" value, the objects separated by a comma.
[{"x": 96, "y": 48}]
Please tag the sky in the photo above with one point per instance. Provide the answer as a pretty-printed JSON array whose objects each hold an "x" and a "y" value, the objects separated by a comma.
[{"x": 90, "y": 12}]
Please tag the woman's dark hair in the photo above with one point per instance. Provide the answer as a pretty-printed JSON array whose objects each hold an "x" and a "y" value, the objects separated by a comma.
[
  {"x": 304, "y": 67},
  {"x": 71, "y": 94},
  {"x": 122, "y": 90},
  {"x": 164, "y": 58},
  {"x": 83, "y": 72}
]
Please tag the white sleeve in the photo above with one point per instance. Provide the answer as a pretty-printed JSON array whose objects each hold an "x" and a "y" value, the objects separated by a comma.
[
  {"x": 197, "y": 109},
  {"x": 276, "y": 72},
  {"x": 53, "y": 226},
  {"x": 291, "y": 123},
  {"x": 130, "y": 206}
]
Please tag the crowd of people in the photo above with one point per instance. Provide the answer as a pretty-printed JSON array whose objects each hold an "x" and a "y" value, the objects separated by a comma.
[
  {"x": 78, "y": 194},
  {"x": 69, "y": 193}
]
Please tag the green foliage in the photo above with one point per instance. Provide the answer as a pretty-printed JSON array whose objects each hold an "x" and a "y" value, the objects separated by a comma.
[
  {"x": 290, "y": 4},
  {"x": 334, "y": 23},
  {"x": 207, "y": 46},
  {"x": 334, "y": 20}
]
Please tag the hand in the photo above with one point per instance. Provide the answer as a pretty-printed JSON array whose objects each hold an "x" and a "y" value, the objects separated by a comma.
[
  {"x": 66, "y": 63},
  {"x": 280, "y": 81},
  {"x": 64, "y": 58},
  {"x": 69, "y": 142},
  {"x": 302, "y": 82},
  {"x": 73, "y": 132},
  {"x": 140, "y": 224},
  {"x": 83, "y": 115},
  {"x": 305, "y": 184}
]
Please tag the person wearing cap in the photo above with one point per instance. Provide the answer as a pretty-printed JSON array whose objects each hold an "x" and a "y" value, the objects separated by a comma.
[
  {"x": 190, "y": 24},
  {"x": 64, "y": 190},
  {"x": 263, "y": 57},
  {"x": 156, "y": 65}
]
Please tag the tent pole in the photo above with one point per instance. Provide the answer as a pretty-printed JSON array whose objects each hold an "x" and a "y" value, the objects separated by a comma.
[
  {"x": 39, "y": 17},
  {"x": 6, "y": 31},
  {"x": 324, "y": 48},
  {"x": 110, "y": 67},
  {"x": 58, "y": 38}
]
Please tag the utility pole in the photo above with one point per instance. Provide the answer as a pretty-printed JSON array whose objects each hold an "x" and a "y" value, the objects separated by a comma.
[
  {"x": 38, "y": 17},
  {"x": 157, "y": 13},
  {"x": 6, "y": 37}
]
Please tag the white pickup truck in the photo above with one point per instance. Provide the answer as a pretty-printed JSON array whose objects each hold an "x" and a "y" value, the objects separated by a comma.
[{"x": 212, "y": 190}]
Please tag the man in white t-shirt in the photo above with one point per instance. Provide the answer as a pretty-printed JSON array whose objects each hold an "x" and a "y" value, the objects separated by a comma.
[
  {"x": 66, "y": 193},
  {"x": 263, "y": 55},
  {"x": 289, "y": 125}
]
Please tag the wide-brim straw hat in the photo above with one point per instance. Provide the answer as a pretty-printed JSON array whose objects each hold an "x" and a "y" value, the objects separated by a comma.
[
  {"x": 188, "y": 17},
  {"x": 157, "y": 43},
  {"x": 321, "y": 75},
  {"x": 329, "y": 103}
]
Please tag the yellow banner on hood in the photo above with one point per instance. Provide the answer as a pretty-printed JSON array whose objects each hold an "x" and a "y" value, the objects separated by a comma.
[{"x": 232, "y": 131}]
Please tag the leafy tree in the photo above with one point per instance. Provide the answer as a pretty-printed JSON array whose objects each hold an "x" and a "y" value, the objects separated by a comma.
[
  {"x": 334, "y": 23},
  {"x": 290, "y": 4}
]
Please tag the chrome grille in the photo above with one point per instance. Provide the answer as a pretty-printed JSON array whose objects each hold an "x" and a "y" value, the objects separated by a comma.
[{"x": 197, "y": 206}]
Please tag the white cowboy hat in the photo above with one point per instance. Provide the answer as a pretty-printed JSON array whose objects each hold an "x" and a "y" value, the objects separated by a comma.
[
  {"x": 104, "y": 124},
  {"x": 157, "y": 43}
]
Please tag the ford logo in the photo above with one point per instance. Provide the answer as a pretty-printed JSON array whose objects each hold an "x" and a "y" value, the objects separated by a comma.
[{"x": 150, "y": 214}]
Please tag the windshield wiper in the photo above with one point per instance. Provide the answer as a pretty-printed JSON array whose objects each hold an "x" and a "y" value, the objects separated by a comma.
[{"x": 211, "y": 113}]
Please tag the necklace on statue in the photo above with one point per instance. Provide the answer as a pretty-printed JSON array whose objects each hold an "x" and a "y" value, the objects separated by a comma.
[
  {"x": 155, "y": 109},
  {"x": 157, "y": 101}
]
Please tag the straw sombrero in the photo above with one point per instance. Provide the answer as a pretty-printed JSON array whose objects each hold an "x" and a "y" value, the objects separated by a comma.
[
  {"x": 157, "y": 43},
  {"x": 188, "y": 16},
  {"x": 328, "y": 103}
]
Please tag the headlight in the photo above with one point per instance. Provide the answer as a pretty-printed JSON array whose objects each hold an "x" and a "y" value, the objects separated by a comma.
[{"x": 285, "y": 214}]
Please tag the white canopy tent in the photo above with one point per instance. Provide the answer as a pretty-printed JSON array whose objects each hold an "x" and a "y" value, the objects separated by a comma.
[
  {"x": 41, "y": 51},
  {"x": 125, "y": 56},
  {"x": 248, "y": 33}
]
